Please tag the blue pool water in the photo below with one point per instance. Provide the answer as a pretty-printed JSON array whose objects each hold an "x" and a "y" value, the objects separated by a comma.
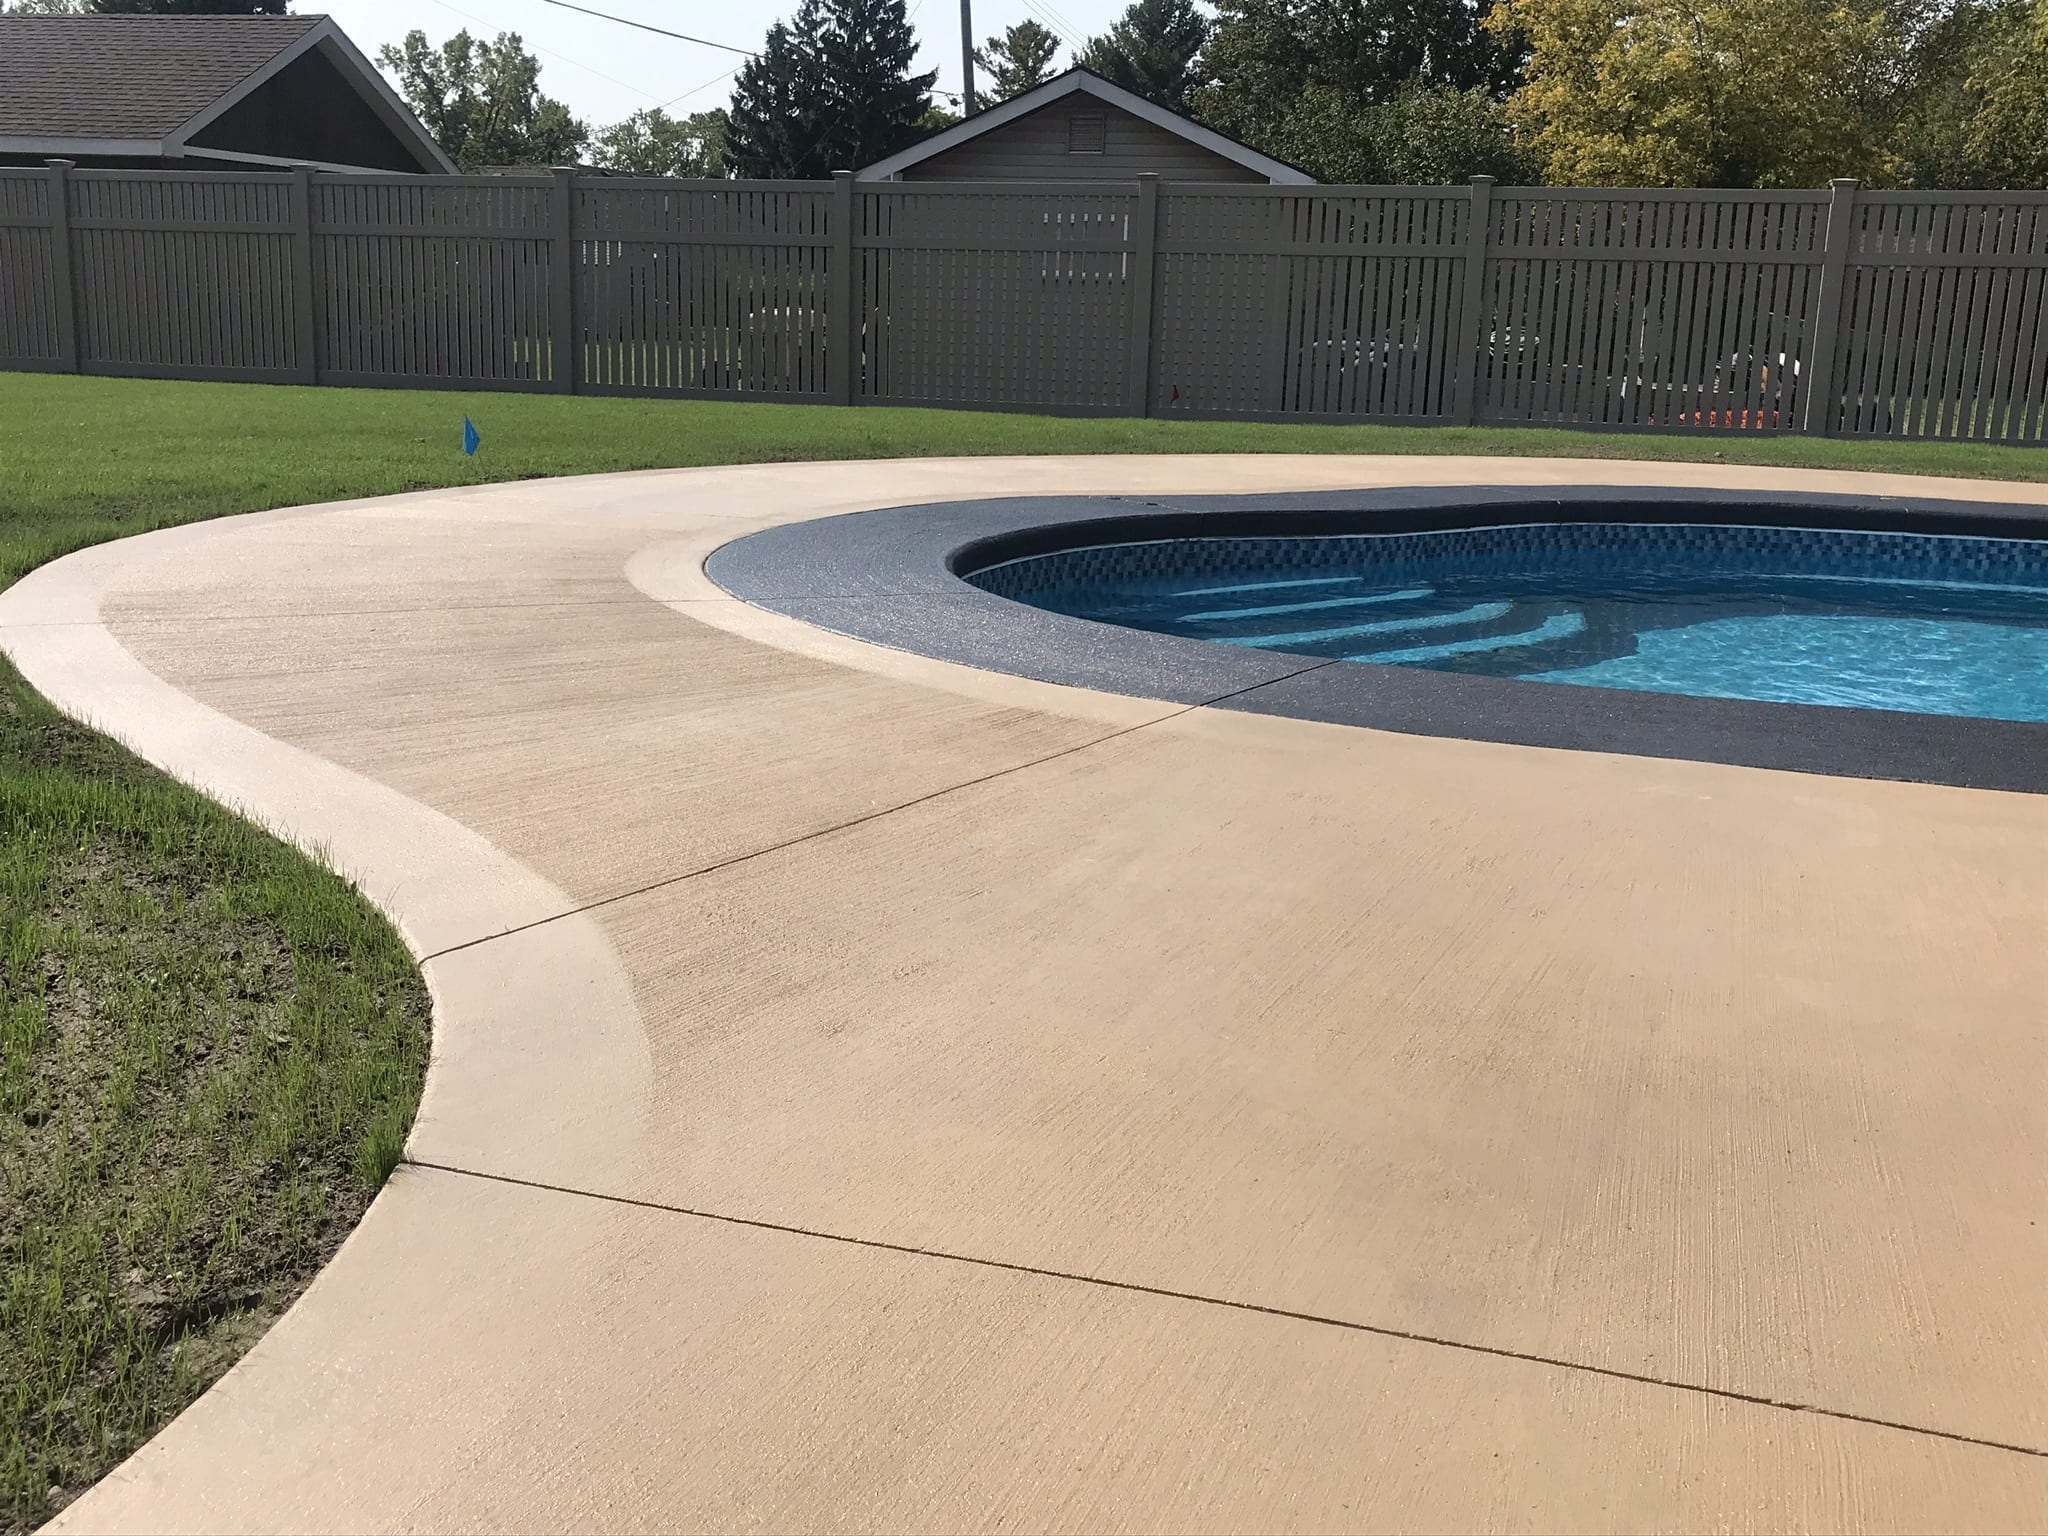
[{"x": 1933, "y": 625}]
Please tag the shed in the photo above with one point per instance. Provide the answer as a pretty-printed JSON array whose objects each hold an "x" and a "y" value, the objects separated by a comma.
[
  {"x": 1080, "y": 127},
  {"x": 200, "y": 92}
]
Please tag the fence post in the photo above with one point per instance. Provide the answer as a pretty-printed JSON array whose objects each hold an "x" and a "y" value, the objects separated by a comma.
[
  {"x": 1144, "y": 248},
  {"x": 305, "y": 328},
  {"x": 1474, "y": 334},
  {"x": 842, "y": 334},
  {"x": 64, "y": 291},
  {"x": 1817, "y": 389},
  {"x": 565, "y": 347}
]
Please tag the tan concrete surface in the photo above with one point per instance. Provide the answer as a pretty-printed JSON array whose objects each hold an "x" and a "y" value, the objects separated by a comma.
[{"x": 1565, "y": 1064}]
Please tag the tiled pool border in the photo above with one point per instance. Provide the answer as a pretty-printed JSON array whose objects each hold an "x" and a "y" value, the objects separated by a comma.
[{"x": 898, "y": 577}]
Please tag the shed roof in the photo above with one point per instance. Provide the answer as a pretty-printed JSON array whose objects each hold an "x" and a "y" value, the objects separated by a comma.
[
  {"x": 129, "y": 77},
  {"x": 147, "y": 84},
  {"x": 1087, "y": 82}
]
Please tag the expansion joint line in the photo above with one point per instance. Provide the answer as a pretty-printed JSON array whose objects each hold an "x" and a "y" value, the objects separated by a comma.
[
  {"x": 862, "y": 820},
  {"x": 1197, "y": 1298}
]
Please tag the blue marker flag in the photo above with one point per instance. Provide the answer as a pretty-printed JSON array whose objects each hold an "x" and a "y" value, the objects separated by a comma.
[{"x": 470, "y": 440}]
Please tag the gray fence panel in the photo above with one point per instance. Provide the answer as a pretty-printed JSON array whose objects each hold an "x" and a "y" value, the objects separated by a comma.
[
  {"x": 1347, "y": 300},
  {"x": 996, "y": 297},
  {"x": 1649, "y": 309},
  {"x": 1945, "y": 332},
  {"x": 28, "y": 297},
  {"x": 183, "y": 276},
  {"x": 703, "y": 288},
  {"x": 1217, "y": 283},
  {"x": 1624, "y": 310},
  {"x": 434, "y": 281}
]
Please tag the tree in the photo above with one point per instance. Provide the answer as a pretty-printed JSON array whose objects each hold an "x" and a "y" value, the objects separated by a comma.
[
  {"x": 651, "y": 143},
  {"x": 1433, "y": 135},
  {"x": 779, "y": 107},
  {"x": 482, "y": 101},
  {"x": 42, "y": 7},
  {"x": 1152, "y": 51},
  {"x": 2009, "y": 135},
  {"x": 833, "y": 92},
  {"x": 1338, "y": 85},
  {"x": 166, "y": 7},
  {"x": 1017, "y": 59},
  {"x": 1977, "y": 114},
  {"x": 1724, "y": 93}
]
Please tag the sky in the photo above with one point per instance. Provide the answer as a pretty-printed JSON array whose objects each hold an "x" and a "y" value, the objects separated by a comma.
[{"x": 604, "y": 71}]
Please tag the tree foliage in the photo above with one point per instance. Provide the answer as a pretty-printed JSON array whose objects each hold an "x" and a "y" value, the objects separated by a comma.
[
  {"x": 1017, "y": 59},
  {"x": 1363, "y": 90},
  {"x": 651, "y": 143},
  {"x": 482, "y": 102},
  {"x": 1978, "y": 107},
  {"x": 1718, "y": 93},
  {"x": 832, "y": 92},
  {"x": 1153, "y": 50}
]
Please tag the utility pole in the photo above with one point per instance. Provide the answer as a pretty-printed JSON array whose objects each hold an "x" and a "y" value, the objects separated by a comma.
[{"x": 967, "y": 58}]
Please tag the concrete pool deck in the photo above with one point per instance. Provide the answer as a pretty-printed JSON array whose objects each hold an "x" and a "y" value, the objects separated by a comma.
[{"x": 871, "y": 1093}]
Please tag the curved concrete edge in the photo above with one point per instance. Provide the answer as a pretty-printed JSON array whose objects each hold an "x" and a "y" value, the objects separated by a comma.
[
  {"x": 909, "y": 576},
  {"x": 442, "y": 886},
  {"x": 673, "y": 572}
]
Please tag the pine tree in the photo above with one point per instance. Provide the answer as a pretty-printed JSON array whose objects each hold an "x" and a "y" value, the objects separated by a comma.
[
  {"x": 778, "y": 100},
  {"x": 831, "y": 92},
  {"x": 1017, "y": 60},
  {"x": 867, "y": 54},
  {"x": 1152, "y": 51}
]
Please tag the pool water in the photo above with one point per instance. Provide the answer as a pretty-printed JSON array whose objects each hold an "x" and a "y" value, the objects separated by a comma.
[{"x": 1932, "y": 625}]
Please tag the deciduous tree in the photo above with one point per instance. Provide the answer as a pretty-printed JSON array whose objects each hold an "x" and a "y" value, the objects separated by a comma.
[
  {"x": 651, "y": 143},
  {"x": 1338, "y": 85},
  {"x": 482, "y": 101},
  {"x": 1978, "y": 115},
  {"x": 1727, "y": 93}
]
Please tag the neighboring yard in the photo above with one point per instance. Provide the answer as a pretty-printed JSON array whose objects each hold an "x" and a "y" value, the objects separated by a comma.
[{"x": 213, "y": 1049}]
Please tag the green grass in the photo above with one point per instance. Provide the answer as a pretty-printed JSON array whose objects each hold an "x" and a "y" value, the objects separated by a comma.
[
  {"x": 88, "y": 459},
  {"x": 213, "y": 1048},
  {"x": 212, "y": 1052}
]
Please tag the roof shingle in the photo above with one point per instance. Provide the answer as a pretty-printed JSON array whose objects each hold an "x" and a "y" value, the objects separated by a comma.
[{"x": 128, "y": 77}]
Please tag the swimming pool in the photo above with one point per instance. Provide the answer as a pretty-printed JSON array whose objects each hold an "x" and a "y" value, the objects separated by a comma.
[{"x": 1929, "y": 624}]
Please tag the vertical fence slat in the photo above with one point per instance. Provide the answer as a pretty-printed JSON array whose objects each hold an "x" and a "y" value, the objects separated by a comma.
[
  {"x": 1476, "y": 326},
  {"x": 63, "y": 278}
]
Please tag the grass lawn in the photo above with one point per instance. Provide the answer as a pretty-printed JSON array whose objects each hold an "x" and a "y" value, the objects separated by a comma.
[{"x": 213, "y": 1048}]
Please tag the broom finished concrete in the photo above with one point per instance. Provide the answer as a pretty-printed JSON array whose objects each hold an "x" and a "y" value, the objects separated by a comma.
[{"x": 873, "y": 1094}]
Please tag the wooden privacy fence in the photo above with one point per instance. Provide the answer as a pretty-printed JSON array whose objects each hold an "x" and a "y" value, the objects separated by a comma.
[{"x": 1882, "y": 314}]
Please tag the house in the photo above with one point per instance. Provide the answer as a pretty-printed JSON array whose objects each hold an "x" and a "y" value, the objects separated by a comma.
[
  {"x": 198, "y": 93},
  {"x": 1079, "y": 127}
]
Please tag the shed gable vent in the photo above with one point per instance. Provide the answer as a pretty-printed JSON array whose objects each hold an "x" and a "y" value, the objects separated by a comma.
[{"x": 1087, "y": 133}]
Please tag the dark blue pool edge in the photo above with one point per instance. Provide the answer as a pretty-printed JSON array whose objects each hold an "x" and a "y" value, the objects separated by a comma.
[{"x": 894, "y": 577}]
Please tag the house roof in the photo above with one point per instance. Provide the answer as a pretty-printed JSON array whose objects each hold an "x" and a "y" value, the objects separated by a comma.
[
  {"x": 1086, "y": 82},
  {"x": 143, "y": 85}
]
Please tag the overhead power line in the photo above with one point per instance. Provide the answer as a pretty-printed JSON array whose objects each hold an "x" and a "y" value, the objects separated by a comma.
[{"x": 627, "y": 21}]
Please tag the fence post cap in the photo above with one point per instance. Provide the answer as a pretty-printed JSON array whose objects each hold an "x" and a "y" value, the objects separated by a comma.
[
  {"x": 1481, "y": 180},
  {"x": 1840, "y": 182},
  {"x": 62, "y": 165}
]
